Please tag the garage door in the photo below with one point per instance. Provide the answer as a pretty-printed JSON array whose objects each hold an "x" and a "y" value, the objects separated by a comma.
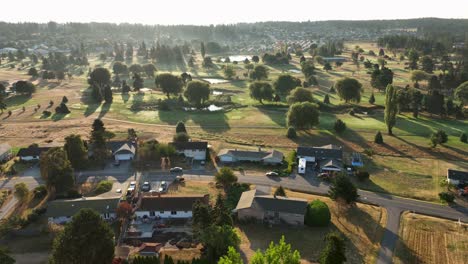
[
  {"x": 226, "y": 158},
  {"x": 124, "y": 157}
]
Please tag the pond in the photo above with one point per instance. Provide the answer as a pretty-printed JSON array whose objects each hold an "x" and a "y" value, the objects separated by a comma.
[
  {"x": 215, "y": 81},
  {"x": 238, "y": 58}
]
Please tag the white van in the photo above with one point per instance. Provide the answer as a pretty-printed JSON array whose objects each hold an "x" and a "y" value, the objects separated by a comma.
[{"x": 301, "y": 168}]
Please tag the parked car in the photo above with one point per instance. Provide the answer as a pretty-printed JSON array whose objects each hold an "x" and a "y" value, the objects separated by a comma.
[
  {"x": 163, "y": 187},
  {"x": 271, "y": 174},
  {"x": 145, "y": 187},
  {"x": 176, "y": 169}
]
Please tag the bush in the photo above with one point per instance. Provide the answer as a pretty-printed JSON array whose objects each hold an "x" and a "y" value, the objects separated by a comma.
[
  {"x": 372, "y": 99},
  {"x": 280, "y": 191},
  {"x": 326, "y": 99},
  {"x": 446, "y": 197},
  {"x": 362, "y": 175},
  {"x": 46, "y": 113},
  {"x": 351, "y": 112},
  {"x": 438, "y": 137},
  {"x": 291, "y": 132},
  {"x": 181, "y": 137},
  {"x": 103, "y": 186},
  {"x": 40, "y": 192},
  {"x": 339, "y": 126},
  {"x": 378, "y": 138},
  {"x": 62, "y": 109},
  {"x": 463, "y": 138},
  {"x": 332, "y": 90},
  {"x": 318, "y": 214}
]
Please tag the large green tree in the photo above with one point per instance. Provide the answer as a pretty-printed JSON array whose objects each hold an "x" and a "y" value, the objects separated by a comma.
[
  {"x": 260, "y": 90},
  {"x": 197, "y": 92},
  {"x": 217, "y": 240},
  {"x": 259, "y": 72},
  {"x": 24, "y": 87},
  {"x": 280, "y": 253},
  {"x": 98, "y": 142},
  {"x": 462, "y": 92},
  {"x": 349, "y": 89},
  {"x": 343, "y": 189},
  {"x": 99, "y": 79},
  {"x": 86, "y": 239},
  {"x": 391, "y": 108},
  {"x": 5, "y": 257},
  {"x": 76, "y": 151},
  {"x": 380, "y": 78},
  {"x": 169, "y": 83},
  {"x": 299, "y": 95},
  {"x": 225, "y": 177},
  {"x": 56, "y": 170},
  {"x": 334, "y": 251},
  {"x": 285, "y": 83},
  {"x": 303, "y": 115},
  {"x": 318, "y": 214},
  {"x": 232, "y": 257},
  {"x": 21, "y": 191}
]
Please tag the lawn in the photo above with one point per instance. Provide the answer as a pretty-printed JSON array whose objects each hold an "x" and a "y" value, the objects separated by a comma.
[
  {"x": 431, "y": 240},
  {"x": 362, "y": 226},
  {"x": 192, "y": 187}
]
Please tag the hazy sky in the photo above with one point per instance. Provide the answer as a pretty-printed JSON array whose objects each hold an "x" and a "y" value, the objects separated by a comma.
[{"x": 224, "y": 12}]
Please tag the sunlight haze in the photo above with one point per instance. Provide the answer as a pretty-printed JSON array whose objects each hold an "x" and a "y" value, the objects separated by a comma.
[{"x": 205, "y": 12}]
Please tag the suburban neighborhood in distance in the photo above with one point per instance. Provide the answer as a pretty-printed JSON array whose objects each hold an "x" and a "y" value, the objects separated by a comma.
[{"x": 181, "y": 137}]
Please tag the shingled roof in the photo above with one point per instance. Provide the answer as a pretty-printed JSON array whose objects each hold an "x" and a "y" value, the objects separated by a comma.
[
  {"x": 32, "y": 151},
  {"x": 190, "y": 145},
  {"x": 59, "y": 208},
  {"x": 249, "y": 199},
  {"x": 323, "y": 152},
  {"x": 457, "y": 175},
  {"x": 171, "y": 202}
]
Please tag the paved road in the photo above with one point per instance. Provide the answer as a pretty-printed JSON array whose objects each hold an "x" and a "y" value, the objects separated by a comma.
[{"x": 31, "y": 177}]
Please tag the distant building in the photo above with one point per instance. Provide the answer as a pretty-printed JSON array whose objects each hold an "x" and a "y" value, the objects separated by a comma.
[
  {"x": 192, "y": 149},
  {"x": 170, "y": 206},
  {"x": 31, "y": 153},
  {"x": 122, "y": 150},
  {"x": 271, "y": 209},
  {"x": 326, "y": 158},
  {"x": 456, "y": 177},
  {"x": 62, "y": 211},
  {"x": 234, "y": 155}
]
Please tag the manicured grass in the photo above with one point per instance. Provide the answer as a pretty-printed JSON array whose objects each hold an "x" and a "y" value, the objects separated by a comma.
[
  {"x": 361, "y": 226},
  {"x": 431, "y": 240}
]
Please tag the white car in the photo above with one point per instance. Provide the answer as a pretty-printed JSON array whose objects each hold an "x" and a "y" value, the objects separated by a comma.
[{"x": 146, "y": 187}]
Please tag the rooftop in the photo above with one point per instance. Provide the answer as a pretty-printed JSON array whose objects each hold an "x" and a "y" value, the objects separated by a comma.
[
  {"x": 190, "y": 145},
  {"x": 323, "y": 152},
  {"x": 250, "y": 199},
  {"x": 171, "y": 202},
  {"x": 32, "y": 151},
  {"x": 59, "y": 208},
  {"x": 457, "y": 175}
]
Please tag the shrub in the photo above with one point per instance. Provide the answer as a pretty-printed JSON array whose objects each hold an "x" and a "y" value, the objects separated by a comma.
[
  {"x": 280, "y": 191},
  {"x": 181, "y": 137},
  {"x": 46, "y": 113},
  {"x": 438, "y": 137},
  {"x": 362, "y": 175},
  {"x": 291, "y": 132},
  {"x": 378, "y": 138},
  {"x": 318, "y": 214},
  {"x": 332, "y": 89},
  {"x": 103, "y": 186},
  {"x": 326, "y": 99},
  {"x": 164, "y": 106},
  {"x": 369, "y": 152},
  {"x": 463, "y": 138},
  {"x": 446, "y": 197},
  {"x": 40, "y": 192},
  {"x": 351, "y": 112},
  {"x": 62, "y": 109},
  {"x": 372, "y": 99},
  {"x": 339, "y": 126}
]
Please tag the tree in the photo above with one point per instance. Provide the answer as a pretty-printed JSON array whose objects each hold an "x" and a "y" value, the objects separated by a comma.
[
  {"x": 33, "y": 72},
  {"x": 378, "y": 139},
  {"x": 5, "y": 258},
  {"x": 197, "y": 92},
  {"x": 446, "y": 197},
  {"x": 280, "y": 191},
  {"x": 180, "y": 127},
  {"x": 181, "y": 137},
  {"x": 326, "y": 99},
  {"x": 463, "y": 137},
  {"x": 21, "y": 191},
  {"x": 119, "y": 68},
  {"x": 225, "y": 177},
  {"x": 138, "y": 82},
  {"x": 220, "y": 215},
  {"x": 339, "y": 126},
  {"x": 229, "y": 71},
  {"x": 99, "y": 79},
  {"x": 303, "y": 115},
  {"x": 86, "y": 239},
  {"x": 438, "y": 137},
  {"x": 417, "y": 76},
  {"x": 462, "y": 92},
  {"x": 334, "y": 251},
  {"x": 299, "y": 95},
  {"x": 124, "y": 210},
  {"x": 125, "y": 87},
  {"x": 285, "y": 83},
  {"x": 76, "y": 151},
  {"x": 427, "y": 64},
  {"x": 381, "y": 52},
  {"x": 232, "y": 257},
  {"x": 372, "y": 99},
  {"x": 169, "y": 84},
  {"x": 259, "y": 73},
  {"x": 98, "y": 142},
  {"x": 391, "y": 108},
  {"x": 217, "y": 240},
  {"x": 318, "y": 214},
  {"x": 280, "y": 253},
  {"x": 201, "y": 216},
  {"x": 108, "y": 97},
  {"x": 349, "y": 89},
  {"x": 202, "y": 49},
  {"x": 207, "y": 62},
  {"x": 24, "y": 87},
  {"x": 3, "y": 105},
  {"x": 327, "y": 66},
  {"x": 291, "y": 133},
  {"x": 56, "y": 170},
  {"x": 343, "y": 189},
  {"x": 149, "y": 69},
  {"x": 260, "y": 90},
  {"x": 380, "y": 78},
  {"x": 255, "y": 58},
  {"x": 413, "y": 57},
  {"x": 135, "y": 68}
]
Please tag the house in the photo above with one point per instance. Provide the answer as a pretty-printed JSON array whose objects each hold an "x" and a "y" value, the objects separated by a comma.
[
  {"x": 456, "y": 177},
  {"x": 327, "y": 158},
  {"x": 271, "y": 209},
  {"x": 149, "y": 249},
  {"x": 31, "y": 153},
  {"x": 193, "y": 149},
  {"x": 234, "y": 155},
  {"x": 122, "y": 150},
  {"x": 62, "y": 211},
  {"x": 5, "y": 151},
  {"x": 170, "y": 206}
]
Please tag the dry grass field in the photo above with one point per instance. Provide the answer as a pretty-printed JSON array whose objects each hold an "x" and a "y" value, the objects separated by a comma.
[
  {"x": 361, "y": 226},
  {"x": 431, "y": 240}
]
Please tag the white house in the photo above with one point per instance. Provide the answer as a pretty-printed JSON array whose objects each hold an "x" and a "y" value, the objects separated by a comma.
[
  {"x": 170, "y": 206},
  {"x": 192, "y": 149},
  {"x": 31, "y": 153},
  {"x": 456, "y": 177},
  {"x": 122, "y": 150},
  {"x": 234, "y": 155},
  {"x": 328, "y": 157},
  {"x": 62, "y": 211},
  {"x": 5, "y": 151}
]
